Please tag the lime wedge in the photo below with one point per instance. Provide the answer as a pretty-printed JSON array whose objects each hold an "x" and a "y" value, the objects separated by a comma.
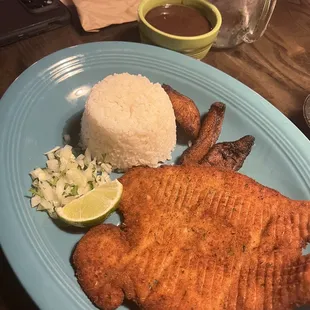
[{"x": 93, "y": 207}]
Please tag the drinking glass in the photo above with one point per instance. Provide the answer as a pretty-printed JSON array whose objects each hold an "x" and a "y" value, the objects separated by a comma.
[{"x": 243, "y": 20}]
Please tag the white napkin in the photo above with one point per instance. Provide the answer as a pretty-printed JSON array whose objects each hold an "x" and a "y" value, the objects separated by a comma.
[{"x": 96, "y": 14}]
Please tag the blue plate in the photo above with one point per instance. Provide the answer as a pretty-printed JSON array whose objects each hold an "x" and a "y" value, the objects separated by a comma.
[{"x": 46, "y": 100}]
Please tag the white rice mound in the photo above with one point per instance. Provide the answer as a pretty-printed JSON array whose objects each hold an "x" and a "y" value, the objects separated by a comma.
[{"x": 129, "y": 121}]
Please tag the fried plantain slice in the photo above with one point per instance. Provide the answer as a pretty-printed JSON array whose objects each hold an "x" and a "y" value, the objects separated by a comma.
[
  {"x": 185, "y": 110},
  {"x": 229, "y": 155},
  {"x": 209, "y": 132}
]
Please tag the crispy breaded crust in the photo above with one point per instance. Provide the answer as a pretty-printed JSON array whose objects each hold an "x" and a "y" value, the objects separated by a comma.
[
  {"x": 185, "y": 110},
  {"x": 96, "y": 260},
  {"x": 198, "y": 238}
]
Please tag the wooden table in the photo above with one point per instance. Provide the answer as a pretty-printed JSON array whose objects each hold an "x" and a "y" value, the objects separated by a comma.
[{"x": 277, "y": 67}]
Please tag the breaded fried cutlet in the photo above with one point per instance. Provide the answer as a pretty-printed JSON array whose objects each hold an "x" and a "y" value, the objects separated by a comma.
[{"x": 198, "y": 238}]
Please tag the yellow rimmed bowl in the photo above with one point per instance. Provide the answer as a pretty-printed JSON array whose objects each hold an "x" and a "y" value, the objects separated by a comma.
[{"x": 195, "y": 46}]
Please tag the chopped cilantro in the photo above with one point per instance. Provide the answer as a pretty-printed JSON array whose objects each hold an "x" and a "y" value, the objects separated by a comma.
[
  {"x": 91, "y": 185},
  {"x": 35, "y": 192},
  {"x": 74, "y": 190}
]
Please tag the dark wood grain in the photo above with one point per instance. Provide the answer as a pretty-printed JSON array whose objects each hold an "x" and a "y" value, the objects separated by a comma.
[{"x": 277, "y": 66}]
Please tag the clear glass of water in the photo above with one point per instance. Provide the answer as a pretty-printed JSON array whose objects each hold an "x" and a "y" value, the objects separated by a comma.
[{"x": 243, "y": 20}]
